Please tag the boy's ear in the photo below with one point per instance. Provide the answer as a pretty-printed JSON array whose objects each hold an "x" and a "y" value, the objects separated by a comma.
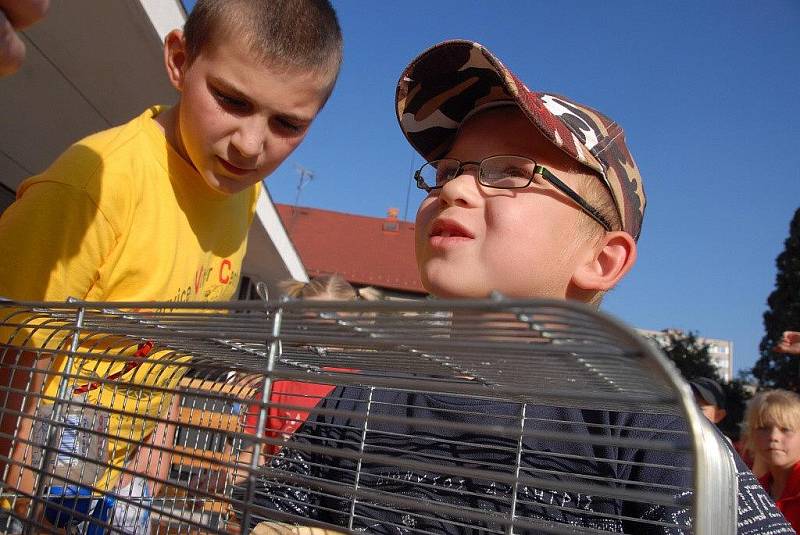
[
  {"x": 606, "y": 262},
  {"x": 176, "y": 59}
]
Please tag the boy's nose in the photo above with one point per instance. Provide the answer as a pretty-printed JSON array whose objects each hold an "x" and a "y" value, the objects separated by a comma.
[
  {"x": 249, "y": 139},
  {"x": 461, "y": 189}
]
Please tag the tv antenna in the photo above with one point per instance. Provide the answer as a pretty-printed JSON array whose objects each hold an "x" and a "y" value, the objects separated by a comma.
[
  {"x": 408, "y": 185},
  {"x": 306, "y": 176}
]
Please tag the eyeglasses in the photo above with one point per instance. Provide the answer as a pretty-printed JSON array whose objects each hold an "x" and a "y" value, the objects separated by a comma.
[{"x": 501, "y": 172}]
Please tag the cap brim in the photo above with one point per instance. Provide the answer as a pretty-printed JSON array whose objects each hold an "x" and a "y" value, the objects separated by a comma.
[{"x": 707, "y": 394}]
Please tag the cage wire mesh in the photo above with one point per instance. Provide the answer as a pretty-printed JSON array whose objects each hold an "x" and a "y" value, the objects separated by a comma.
[{"x": 494, "y": 416}]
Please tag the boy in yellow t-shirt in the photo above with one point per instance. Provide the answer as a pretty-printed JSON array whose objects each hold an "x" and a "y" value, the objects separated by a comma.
[{"x": 159, "y": 208}]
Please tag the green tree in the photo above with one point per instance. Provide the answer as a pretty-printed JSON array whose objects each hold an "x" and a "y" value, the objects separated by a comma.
[
  {"x": 689, "y": 354},
  {"x": 736, "y": 397},
  {"x": 779, "y": 370}
]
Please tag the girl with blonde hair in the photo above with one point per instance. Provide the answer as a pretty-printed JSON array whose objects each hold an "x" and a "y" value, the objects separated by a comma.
[
  {"x": 290, "y": 398},
  {"x": 328, "y": 287},
  {"x": 773, "y": 435}
]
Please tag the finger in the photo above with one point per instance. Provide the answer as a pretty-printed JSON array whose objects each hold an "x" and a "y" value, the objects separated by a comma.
[
  {"x": 23, "y": 13},
  {"x": 12, "y": 49},
  {"x": 790, "y": 343}
]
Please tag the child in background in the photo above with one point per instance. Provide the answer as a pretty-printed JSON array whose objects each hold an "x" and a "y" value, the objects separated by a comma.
[
  {"x": 159, "y": 208},
  {"x": 289, "y": 398},
  {"x": 328, "y": 288},
  {"x": 535, "y": 196},
  {"x": 290, "y": 401},
  {"x": 710, "y": 398},
  {"x": 773, "y": 424}
]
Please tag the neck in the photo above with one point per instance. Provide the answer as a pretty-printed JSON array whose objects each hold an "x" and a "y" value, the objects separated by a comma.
[
  {"x": 780, "y": 475},
  {"x": 168, "y": 121}
]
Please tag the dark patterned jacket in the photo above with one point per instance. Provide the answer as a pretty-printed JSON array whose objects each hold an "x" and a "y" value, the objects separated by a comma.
[{"x": 458, "y": 482}]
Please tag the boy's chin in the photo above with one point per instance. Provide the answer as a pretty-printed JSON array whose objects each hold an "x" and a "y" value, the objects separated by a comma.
[
  {"x": 454, "y": 291},
  {"x": 225, "y": 186},
  {"x": 445, "y": 283}
]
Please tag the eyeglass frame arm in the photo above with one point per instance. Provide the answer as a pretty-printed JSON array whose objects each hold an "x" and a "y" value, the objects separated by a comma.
[{"x": 590, "y": 210}]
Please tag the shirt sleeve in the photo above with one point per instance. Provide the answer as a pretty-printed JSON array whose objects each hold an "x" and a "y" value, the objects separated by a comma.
[{"x": 53, "y": 242}]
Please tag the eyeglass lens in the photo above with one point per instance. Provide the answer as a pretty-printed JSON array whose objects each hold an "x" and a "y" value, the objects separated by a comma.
[{"x": 495, "y": 171}]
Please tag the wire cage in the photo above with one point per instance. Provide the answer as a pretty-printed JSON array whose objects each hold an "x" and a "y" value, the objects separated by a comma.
[{"x": 491, "y": 416}]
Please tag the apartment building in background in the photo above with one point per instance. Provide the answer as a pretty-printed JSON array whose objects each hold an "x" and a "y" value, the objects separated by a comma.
[{"x": 720, "y": 351}]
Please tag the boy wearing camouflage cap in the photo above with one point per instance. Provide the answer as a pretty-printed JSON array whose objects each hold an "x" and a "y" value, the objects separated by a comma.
[{"x": 535, "y": 196}]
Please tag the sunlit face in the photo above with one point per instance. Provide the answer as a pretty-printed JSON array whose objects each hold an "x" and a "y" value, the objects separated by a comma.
[
  {"x": 777, "y": 445},
  {"x": 471, "y": 240},
  {"x": 239, "y": 119}
]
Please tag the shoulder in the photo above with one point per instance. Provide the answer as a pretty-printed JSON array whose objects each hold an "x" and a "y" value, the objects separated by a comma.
[
  {"x": 117, "y": 150},
  {"x": 757, "y": 511},
  {"x": 650, "y": 423},
  {"x": 108, "y": 168}
]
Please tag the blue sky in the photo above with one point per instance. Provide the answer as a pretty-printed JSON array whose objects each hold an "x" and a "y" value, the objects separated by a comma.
[{"x": 708, "y": 93}]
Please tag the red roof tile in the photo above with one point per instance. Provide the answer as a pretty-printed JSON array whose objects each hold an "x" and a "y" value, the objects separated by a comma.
[{"x": 363, "y": 249}]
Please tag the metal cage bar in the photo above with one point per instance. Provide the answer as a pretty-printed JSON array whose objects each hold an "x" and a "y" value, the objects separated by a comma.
[{"x": 492, "y": 416}]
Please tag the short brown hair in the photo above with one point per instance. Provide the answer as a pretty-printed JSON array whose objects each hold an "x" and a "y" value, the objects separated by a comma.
[
  {"x": 301, "y": 34},
  {"x": 599, "y": 197}
]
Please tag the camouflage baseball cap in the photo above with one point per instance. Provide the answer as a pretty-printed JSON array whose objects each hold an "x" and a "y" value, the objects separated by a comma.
[{"x": 446, "y": 83}]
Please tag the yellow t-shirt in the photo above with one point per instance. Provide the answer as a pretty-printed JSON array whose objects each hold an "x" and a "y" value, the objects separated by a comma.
[{"x": 120, "y": 216}]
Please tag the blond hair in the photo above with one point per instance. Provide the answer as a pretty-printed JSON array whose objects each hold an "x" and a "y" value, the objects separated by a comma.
[
  {"x": 333, "y": 287},
  {"x": 772, "y": 407},
  {"x": 599, "y": 197}
]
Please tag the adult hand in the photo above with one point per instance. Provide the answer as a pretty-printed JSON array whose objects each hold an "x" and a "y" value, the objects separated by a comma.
[
  {"x": 790, "y": 343},
  {"x": 16, "y": 15}
]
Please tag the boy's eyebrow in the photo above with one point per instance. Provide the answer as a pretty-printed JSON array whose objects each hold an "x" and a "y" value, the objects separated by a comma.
[{"x": 226, "y": 86}]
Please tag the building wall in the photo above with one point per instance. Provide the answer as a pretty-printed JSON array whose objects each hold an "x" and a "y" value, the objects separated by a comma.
[{"x": 721, "y": 352}]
